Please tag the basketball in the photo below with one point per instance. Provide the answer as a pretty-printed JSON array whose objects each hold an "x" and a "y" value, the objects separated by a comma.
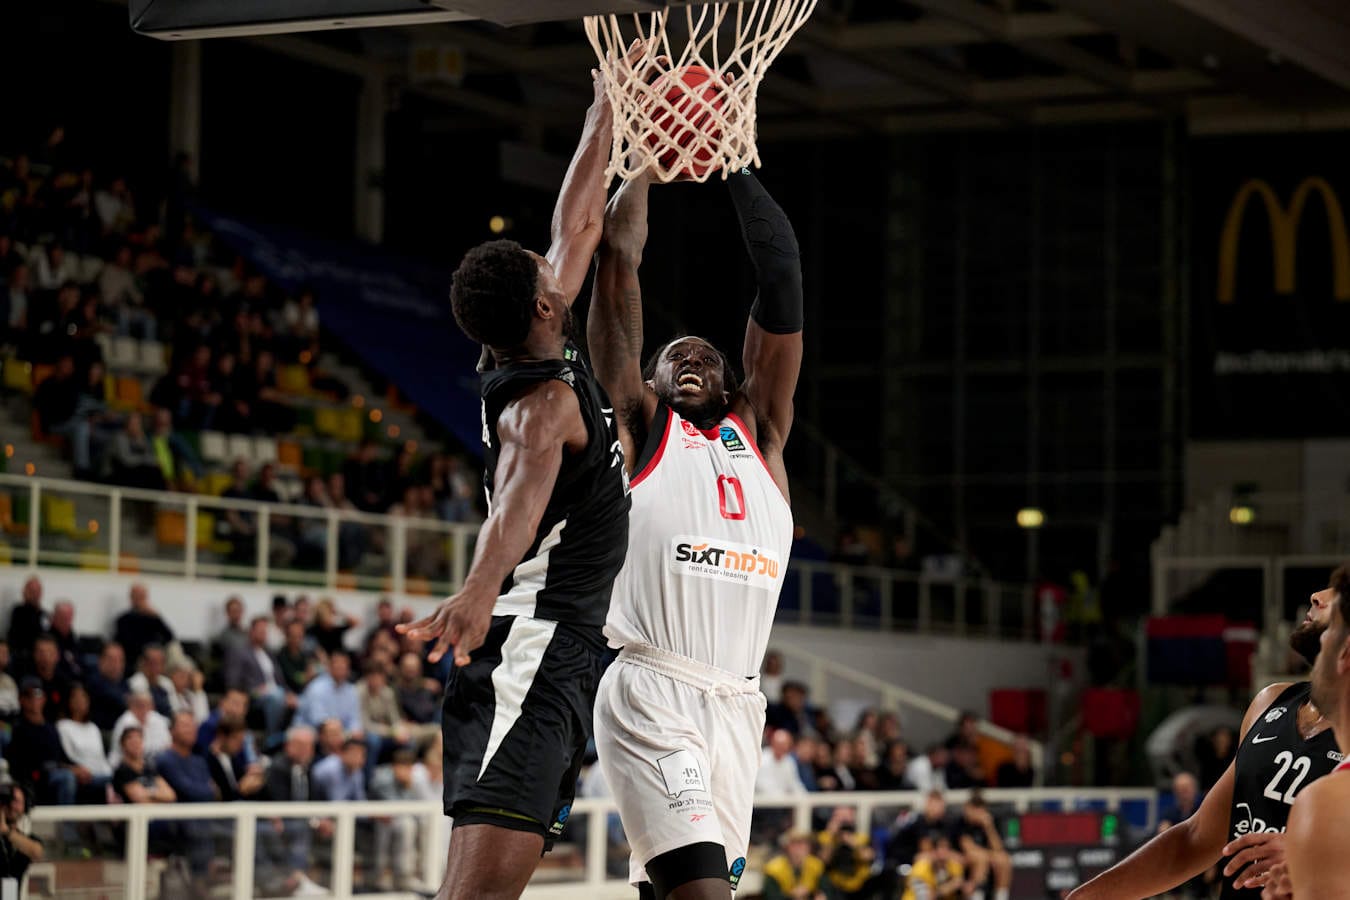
[{"x": 688, "y": 99}]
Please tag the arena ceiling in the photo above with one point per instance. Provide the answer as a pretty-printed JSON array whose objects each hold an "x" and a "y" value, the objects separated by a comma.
[{"x": 866, "y": 67}]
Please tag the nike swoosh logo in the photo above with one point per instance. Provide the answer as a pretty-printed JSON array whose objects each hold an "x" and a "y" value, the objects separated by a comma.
[{"x": 1260, "y": 740}]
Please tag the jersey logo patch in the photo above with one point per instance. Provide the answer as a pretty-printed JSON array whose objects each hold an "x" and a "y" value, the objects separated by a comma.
[
  {"x": 736, "y": 871},
  {"x": 681, "y": 772},
  {"x": 724, "y": 561},
  {"x": 1274, "y": 714},
  {"x": 730, "y": 439},
  {"x": 689, "y": 428}
]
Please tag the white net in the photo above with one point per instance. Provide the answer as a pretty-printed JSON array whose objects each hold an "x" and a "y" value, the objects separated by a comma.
[{"x": 684, "y": 96}]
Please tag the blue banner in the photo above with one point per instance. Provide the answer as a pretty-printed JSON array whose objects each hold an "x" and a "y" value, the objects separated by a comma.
[{"x": 392, "y": 312}]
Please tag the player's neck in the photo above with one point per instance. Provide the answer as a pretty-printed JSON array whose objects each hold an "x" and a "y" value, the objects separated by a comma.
[{"x": 531, "y": 351}]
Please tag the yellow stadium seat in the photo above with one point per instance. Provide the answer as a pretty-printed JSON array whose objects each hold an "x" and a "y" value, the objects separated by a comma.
[
  {"x": 216, "y": 483},
  {"x": 293, "y": 379},
  {"x": 326, "y": 421},
  {"x": 18, "y": 375},
  {"x": 351, "y": 425},
  {"x": 129, "y": 393},
  {"x": 6, "y": 555},
  {"x": 58, "y": 515},
  {"x": 95, "y": 560}
]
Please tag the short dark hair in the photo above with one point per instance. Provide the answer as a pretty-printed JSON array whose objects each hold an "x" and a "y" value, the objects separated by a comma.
[
  {"x": 492, "y": 295},
  {"x": 128, "y": 732},
  {"x": 351, "y": 742},
  {"x": 403, "y": 757},
  {"x": 1340, "y": 583},
  {"x": 230, "y": 726}
]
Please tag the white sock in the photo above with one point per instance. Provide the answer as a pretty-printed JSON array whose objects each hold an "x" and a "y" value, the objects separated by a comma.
[
  {"x": 1000, "y": 894},
  {"x": 977, "y": 895}
]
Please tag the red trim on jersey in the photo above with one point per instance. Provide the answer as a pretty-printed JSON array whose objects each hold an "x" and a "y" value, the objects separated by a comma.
[
  {"x": 656, "y": 457},
  {"x": 1343, "y": 767},
  {"x": 750, "y": 439}
]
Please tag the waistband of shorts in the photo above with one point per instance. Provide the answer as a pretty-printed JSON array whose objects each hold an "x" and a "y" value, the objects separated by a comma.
[{"x": 689, "y": 671}]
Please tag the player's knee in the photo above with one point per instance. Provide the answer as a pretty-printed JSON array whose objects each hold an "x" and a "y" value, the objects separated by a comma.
[{"x": 689, "y": 872}]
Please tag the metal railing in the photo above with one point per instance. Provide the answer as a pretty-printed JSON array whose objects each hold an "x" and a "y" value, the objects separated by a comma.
[
  {"x": 56, "y": 522},
  {"x": 596, "y": 845}
]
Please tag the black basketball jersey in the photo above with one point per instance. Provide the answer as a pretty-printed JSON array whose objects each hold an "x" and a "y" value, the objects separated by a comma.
[
  {"x": 568, "y": 573},
  {"x": 1274, "y": 763}
]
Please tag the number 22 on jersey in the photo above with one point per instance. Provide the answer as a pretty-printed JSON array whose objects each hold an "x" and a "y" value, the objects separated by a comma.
[{"x": 1286, "y": 761}]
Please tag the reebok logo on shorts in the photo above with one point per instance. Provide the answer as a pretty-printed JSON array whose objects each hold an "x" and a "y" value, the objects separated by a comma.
[{"x": 723, "y": 561}]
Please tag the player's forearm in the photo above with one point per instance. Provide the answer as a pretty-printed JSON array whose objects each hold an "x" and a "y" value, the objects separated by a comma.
[
  {"x": 1174, "y": 856},
  {"x": 579, "y": 213},
  {"x": 774, "y": 252},
  {"x": 614, "y": 325},
  {"x": 625, "y": 223}
]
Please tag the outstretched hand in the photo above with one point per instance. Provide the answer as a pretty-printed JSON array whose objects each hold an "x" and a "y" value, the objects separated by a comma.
[
  {"x": 461, "y": 621},
  {"x": 1258, "y": 853}
]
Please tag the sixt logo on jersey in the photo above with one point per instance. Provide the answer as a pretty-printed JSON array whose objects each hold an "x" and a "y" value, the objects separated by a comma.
[
  {"x": 1274, "y": 714},
  {"x": 724, "y": 561},
  {"x": 730, "y": 439}
]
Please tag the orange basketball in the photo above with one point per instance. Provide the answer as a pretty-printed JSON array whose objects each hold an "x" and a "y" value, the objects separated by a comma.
[{"x": 690, "y": 97}]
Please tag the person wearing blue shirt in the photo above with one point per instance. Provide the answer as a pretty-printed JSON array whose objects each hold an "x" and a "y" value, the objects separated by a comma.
[
  {"x": 332, "y": 696},
  {"x": 342, "y": 777},
  {"x": 188, "y": 775}
]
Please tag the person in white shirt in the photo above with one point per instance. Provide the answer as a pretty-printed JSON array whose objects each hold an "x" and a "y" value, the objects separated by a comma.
[
  {"x": 83, "y": 744},
  {"x": 151, "y": 679},
  {"x": 154, "y": 727},
  {"x": 929, "y": 772},
  {"x": 771, "y": 676},
  {"x": 53, "y": 267},
  {"x": 778, "y": 775},
  {"x": 187, "y": 694}
]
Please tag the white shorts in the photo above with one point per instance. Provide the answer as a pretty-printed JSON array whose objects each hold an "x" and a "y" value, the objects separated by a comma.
[{"x": 679, "y": 745}]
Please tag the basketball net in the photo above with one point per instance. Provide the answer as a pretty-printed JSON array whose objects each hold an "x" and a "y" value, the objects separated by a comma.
[{"x": 709, "y": 126}]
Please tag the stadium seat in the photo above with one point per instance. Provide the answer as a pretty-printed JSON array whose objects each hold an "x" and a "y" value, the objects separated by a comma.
[
  {"x": 6, "y": 555},
  {"x": 128, "y": 393},
  {"x": 293, "y": 379},
  {"x": 18, "y": 375},
  {"x": 265, "y": 450},
  {"x": 94, "y": 560},
  {"x": 240, "y": 447},
  {"x": 12, "y": 520},
  {"x": 151, "y": 357},
  {"x": 351, "y": 425},
  {"x": 123, "y": 355},
  {"x": 213, "y": 446},
  {"x": 58, "y": 515},
  {"x": 215, "y": 483},
  {"x": 290, "y": 454},
  {"x": 170, "y": 527}
]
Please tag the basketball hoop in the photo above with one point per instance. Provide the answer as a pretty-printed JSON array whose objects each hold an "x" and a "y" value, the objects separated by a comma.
[{"x": 690, "y": 110}]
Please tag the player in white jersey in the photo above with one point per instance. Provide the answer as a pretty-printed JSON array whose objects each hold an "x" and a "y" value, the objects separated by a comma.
[{"x": 679, "y": 716}]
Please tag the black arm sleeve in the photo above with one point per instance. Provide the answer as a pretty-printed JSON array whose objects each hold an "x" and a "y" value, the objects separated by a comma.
[{"x": 773, "y": 250}]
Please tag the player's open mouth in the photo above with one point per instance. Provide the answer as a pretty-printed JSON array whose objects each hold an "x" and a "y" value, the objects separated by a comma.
[{"x": 689, "y": 383}]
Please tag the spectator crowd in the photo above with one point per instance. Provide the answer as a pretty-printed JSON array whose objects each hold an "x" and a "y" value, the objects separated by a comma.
[
  {"x": 304, "y": 709},
  {"x": 83, "y": 259}
]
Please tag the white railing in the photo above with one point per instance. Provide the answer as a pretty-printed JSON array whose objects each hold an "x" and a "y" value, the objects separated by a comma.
[
  {"x": 1176, "y": 576},
  {"x": 894, "y": 698},
  {"x": 55, "y": 522},
  {"x": 591, "y": 881}
]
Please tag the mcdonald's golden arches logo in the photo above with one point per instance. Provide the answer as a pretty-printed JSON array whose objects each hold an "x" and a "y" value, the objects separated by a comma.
[{"x": 1284, "y": 224}]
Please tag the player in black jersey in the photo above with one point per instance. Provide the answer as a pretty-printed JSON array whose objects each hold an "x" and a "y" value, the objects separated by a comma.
[
  {"x": 526, "y": 624},
  {"x": 1285, "y": 745},
  {"x": 1318, "y": 867}
]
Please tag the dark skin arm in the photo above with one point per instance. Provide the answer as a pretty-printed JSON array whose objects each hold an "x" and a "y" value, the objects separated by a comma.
[
  {"x": 1184, "y": 850},
  {"x": 578, "y": 216},
  {"x": 614, "y": 324},
  {"x": 534, "y": 431}
]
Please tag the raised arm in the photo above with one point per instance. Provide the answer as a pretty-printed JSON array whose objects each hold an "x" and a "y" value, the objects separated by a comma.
[
  {"x": 533, "y": 430},
  {"x": 578, "y": 215},
  {"x": 1184, "y": 850},
  {"x": 773, "y": 339},
  {"x": 614, "y": 323}
]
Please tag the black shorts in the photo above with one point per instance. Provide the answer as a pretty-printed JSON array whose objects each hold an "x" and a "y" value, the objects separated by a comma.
[{"x": 516, "y": 721}]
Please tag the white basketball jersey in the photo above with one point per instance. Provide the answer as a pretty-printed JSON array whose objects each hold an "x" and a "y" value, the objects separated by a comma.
[{"x": 708, "y": 542}]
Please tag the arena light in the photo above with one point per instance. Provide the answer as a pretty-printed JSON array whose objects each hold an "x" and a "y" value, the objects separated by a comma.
[
  {"x": 358, "y": 401},
  {"x": 1241, "y": 514},
  {"x": 9, "y": 451},
  {"x": 376, "y": 415},
  {"x": 393, "y": 431},
  {"x": 29, "y": 469},
  {"x": 1030, "y": 517},
  {"x": 93, "y": 526},
  {"x": 498, "y": 224},
  {"x": 411, "y": 446}
]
